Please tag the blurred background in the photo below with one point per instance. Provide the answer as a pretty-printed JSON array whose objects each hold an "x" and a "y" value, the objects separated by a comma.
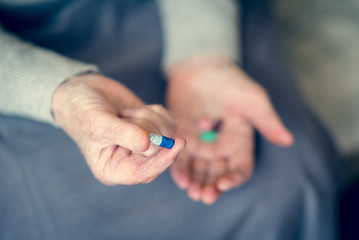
[{"x": 322, "y": 40}]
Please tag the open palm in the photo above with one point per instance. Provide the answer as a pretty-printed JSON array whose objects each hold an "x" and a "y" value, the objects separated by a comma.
[{"x": 202, "y": 92}]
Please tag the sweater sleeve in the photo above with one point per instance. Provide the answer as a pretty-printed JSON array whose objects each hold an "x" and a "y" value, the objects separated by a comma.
[
  {"x": 29, "y": 75},
  {"x": 193, "y": 27}
]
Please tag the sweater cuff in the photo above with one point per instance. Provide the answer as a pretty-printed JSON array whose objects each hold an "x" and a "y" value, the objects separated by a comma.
[
  {"x": 199, "y": 27},
  {"x": 30, "y": 75}
]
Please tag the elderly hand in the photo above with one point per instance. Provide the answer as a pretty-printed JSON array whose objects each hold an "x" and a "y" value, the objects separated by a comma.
[
  {"x": 111, "y": 126},
  {"x": 202, "y": 91}
]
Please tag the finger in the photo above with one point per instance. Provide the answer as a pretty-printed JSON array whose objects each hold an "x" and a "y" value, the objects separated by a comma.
[
  {"x": 145, "y": 124},
  {"x": 148, "y": 169},
  {"x": 164, "y": 113},
  {"x": 155, "y": 120},
  {"x": 262, "y": 115},
  {"x": 230, "y": 181},
  {"x": 165, "y": 157},
  {"x": 242, "y": 161},
  {"x": 121, "y": 153},
  {"x": 108, "y": 164},
  {"x": 210, "y": 194},
  {"x": 152, "y": 150},
  {"x": 194, "y": 191},
  {"x": 199, "y": 170},
  {"x": 216, "y": 169},
  {"x": 118, "y": 155},
  {"x": 106, "y": 125},
  {"x": 180, "y": 170},
  {"x": 240, "y": 168},
  {"x": 149, "y": 126},
  {"x": 205, "y": 124}
]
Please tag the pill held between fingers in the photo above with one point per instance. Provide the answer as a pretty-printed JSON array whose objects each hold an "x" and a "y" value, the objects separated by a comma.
[{"x": 161, "y": 141}]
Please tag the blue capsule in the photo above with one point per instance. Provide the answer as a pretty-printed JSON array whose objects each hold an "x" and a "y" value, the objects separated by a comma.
[{"x": 161, "y": 141}]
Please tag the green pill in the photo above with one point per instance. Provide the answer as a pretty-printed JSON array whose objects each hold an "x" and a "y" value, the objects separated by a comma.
[{"x": 208, "y": 136}]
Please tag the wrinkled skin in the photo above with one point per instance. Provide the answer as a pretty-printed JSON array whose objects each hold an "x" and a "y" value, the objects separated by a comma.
[
  {"x": 110, "y": 124},
  {"x": 111, "y": 127}
]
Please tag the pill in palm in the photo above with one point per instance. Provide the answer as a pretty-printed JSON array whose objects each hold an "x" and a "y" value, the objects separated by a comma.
[{"x": 209, "y": 136}]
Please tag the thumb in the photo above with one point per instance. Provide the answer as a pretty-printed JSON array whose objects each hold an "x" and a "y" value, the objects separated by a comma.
[
  {"x": 122, "y": 132},
  {"x": 265, "y": 119}
]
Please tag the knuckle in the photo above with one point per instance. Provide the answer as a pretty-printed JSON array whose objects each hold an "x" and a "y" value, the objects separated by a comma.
[
  {"x": 123, "y": 131},
  {"x": 133, "y": 130},
  {"x": 143, "y": 113},
  {"x": 159, "y": 108},
  {"x": 102, "y": 178},
  {"x": 149, "y": 180},
  {"x": 93, "y": 126},
  {"x": 129, "y": 135}
]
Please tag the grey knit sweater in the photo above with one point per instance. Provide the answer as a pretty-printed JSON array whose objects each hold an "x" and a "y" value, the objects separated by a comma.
[{"x": 29, "y": 75}]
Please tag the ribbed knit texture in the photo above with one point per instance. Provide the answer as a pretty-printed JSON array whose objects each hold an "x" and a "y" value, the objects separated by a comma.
[
  {"x": 193, "y": 27},
  {"x": 29, "y": 76}
]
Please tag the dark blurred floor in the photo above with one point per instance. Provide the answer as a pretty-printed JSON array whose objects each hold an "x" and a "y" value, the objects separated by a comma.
[
  {"x": 349, "y": 201},
  {"x": 349, "y": 213}
]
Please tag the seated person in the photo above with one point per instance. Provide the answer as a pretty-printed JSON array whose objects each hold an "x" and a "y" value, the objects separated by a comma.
[{"x": 276, "y": 192}]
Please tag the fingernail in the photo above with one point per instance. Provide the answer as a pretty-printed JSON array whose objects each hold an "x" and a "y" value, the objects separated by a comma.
[
  {"x": 225, "y": 186},
  {"x": 183, "y": 185}
]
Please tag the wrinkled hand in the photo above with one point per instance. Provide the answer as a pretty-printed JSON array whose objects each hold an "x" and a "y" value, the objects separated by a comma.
[
  {"x": 111, "y": 127},
  {"x": 202, "y": 91}
]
